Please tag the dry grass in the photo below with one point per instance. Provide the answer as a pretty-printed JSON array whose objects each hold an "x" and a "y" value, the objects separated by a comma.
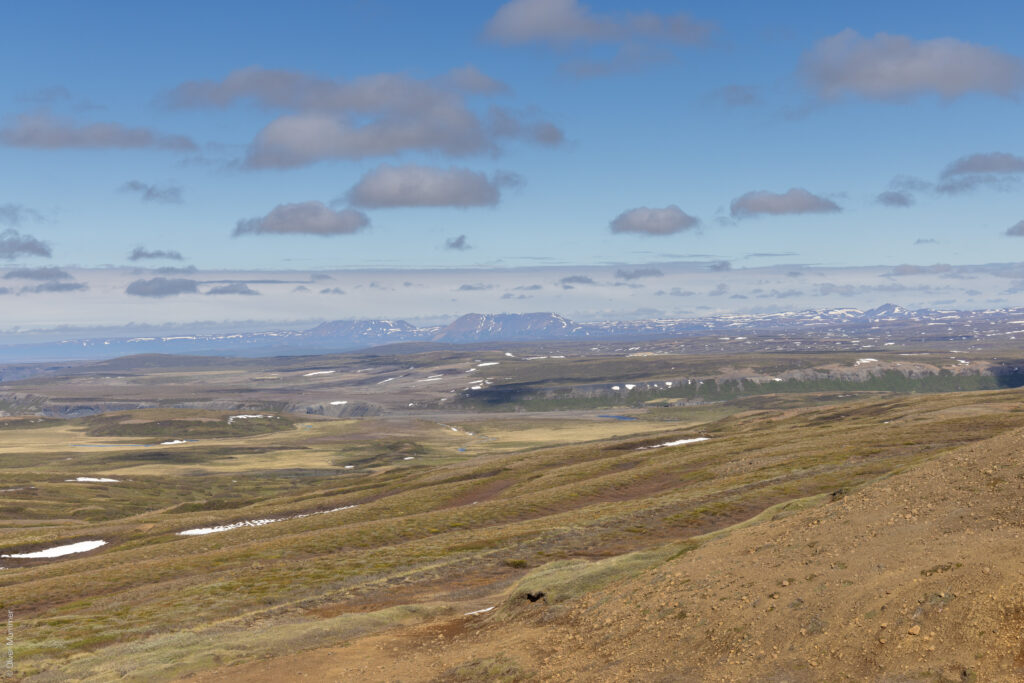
[{"x": 576, "y": 500}]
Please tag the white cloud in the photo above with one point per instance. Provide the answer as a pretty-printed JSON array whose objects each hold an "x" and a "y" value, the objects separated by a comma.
[
  {"x": 895, "y": 198},
  {"x": 140, "y": 253},
  {"x": 412, "y": 185},
  {"x": 564, "y": 21},
  {"x": 472, "y": 80},
  {"x": 891, "y": 67},
  {"x": 305, "y": 218},
  {"x": 373, "y": 116},
  {"x": 459, "y": 243},
  {"x": 170, "y": 194},
  {"x": 646, "y": 221},
  {"x": 16, "y": 214},
  {"x": 14, "y": 244},
  {"x": 43, "y": 131},
  {"x": 159, "y": 287},
  {"x": 48, "y": 273},
  {"x": 794, "y": 201},
  {"x": 233, "y": 288},
  {"x": 997, "y": 170}
]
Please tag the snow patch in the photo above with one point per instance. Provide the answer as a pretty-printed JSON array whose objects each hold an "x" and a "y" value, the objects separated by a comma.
[
  {"x": 60, "y": 551},
  {"x": 255, "y": 522},
  {"x": 485, "y": 610},
  {"x": 104, "y": 480},
  {"x": 320, "y": 372},
  {"x": 680, "y": 442},
  {"x": 249, "y": 417}
]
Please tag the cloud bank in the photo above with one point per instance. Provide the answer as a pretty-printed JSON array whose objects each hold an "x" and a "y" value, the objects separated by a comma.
[
  {"x": 637, "y": 273},
  {"x": 42, "y": 273},
  {"x": 54, "y": 288},
  {"x": 160, "y": 287},
  {"x": 233, "y": 288}
]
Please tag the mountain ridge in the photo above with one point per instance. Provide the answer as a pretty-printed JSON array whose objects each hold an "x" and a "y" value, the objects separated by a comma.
[{"x": 355, "y": 334}]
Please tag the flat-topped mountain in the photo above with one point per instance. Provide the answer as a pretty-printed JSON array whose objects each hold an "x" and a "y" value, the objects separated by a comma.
[{"x": 474, "y": 327}]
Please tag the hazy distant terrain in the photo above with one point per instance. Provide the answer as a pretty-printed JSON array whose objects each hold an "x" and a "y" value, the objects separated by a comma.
[
  {"x": 834, "y": 329},
  {"x": 555, "y": 374}
]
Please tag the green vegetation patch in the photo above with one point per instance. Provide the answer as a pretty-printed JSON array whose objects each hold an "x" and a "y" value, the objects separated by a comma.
[
  {"x": 169, "y": 656},
  {"x": 497, "y": 669},
  {"x": 140, "y": 425},
  {"x": 11, "y": 424}
]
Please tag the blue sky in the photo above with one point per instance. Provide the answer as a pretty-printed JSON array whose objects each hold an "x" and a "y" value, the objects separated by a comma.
[{"x": 216, "y": 113}]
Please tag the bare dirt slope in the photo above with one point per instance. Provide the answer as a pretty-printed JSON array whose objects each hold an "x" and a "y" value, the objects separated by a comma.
[{"x": 919, "y": 576}]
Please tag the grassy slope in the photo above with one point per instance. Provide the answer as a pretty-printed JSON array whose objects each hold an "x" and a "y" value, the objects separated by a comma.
[
  {"x": 915, "y": 576},
  {"x": 443, "y": 530}
]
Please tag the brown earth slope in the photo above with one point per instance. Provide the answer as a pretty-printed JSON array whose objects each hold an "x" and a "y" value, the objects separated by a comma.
[{"x": 918, "y": 577}]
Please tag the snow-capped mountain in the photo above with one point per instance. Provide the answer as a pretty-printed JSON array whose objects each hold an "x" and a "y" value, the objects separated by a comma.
[
  {"x": 386, "y": 330},
  {"x": 888, "y": 312},
  {"x": 349, "y": 335}
]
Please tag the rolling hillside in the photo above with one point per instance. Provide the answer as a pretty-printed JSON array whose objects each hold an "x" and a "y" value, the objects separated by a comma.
[{"x": 229, "y": 539}]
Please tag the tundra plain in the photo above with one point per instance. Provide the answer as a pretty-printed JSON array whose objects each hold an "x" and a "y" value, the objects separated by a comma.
[{"x": 373, "y": 516}]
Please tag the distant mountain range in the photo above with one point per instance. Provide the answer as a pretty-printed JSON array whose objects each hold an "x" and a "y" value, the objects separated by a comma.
[{"x": 349, "y": 335}]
